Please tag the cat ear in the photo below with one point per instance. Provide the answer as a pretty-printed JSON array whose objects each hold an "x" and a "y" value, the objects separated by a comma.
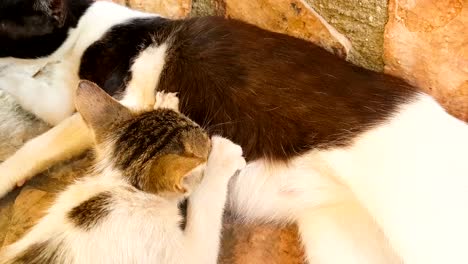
[
  {"x": 174, "y": 173},
  {"x": 53, "y": 8},
  {"x": 98, "y": 109}
]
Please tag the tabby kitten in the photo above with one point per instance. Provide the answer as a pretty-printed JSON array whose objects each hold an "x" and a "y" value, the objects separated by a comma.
[{"x": 126, "y": 210}]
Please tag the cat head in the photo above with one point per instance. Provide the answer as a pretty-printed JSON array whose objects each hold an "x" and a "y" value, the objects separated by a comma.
[
  {"x": 35, "y": 28},
  {"x": 161, "y": 151}
]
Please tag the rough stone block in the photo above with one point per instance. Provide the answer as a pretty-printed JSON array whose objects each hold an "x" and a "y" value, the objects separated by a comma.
[
  {"x": 260, "y": 244},
  {"x": 426, "y": 42},
  {"x": 293, "y": 17},
  {"x": 363, "y": 22},
  {"x": 167, "y": 8}
]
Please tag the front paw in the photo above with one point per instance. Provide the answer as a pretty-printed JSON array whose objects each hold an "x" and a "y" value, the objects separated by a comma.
[
  {"x": 6, "y": 185},
  {"x": 226, "y": 156},
  {"x": 10, "y": 178},
  {"x": 167, "y": 100}
]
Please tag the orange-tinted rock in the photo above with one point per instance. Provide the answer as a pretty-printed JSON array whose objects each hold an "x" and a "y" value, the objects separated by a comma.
[
  {"x": 260, "y": 244},
  {"x": 166, "y": 8},
  {"x": 293, "y": 17},
  {"x": 29, "y": 207},
  {"x": 426, "y": 42},
  {"x": 207, "y": 8}
]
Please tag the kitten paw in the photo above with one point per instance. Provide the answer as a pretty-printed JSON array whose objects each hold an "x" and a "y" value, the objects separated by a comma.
[
  {"x": 226, "y": 156},
  {"x": 167, "y": 100}
]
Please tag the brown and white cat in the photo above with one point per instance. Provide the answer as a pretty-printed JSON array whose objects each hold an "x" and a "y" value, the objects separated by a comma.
[
  {"x": 356, "y": 158},
  {"x": 126, "y": 210}
]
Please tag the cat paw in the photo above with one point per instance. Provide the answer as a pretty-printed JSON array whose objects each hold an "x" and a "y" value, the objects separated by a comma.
[
  {"x": 10, "y": 179},
  {"x": 167, "y": 100},
  {"x": 6, "y": 187},
  {"x": 226, "y": 156}
]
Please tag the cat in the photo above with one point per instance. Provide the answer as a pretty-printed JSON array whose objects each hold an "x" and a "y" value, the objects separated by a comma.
[
  {"x": 370, "y": 168},
  {"x": 126, "y": 210}
]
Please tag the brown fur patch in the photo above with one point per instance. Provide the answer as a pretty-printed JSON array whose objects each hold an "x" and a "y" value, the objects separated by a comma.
[
  {"x": 90, "y": 212},
  {"x": 275, "y": 95}
]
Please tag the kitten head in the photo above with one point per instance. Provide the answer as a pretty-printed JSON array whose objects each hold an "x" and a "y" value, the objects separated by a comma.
[{"x": 161, "y": 151}]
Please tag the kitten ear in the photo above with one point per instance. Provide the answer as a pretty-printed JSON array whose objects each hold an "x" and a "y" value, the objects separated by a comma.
[
  {"x": 173, "y": 173},
  {"x": 98, "y": 109}
]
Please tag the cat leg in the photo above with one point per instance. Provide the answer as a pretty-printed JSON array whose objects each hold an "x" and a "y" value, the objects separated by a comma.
[
  {"x": 343, "y": 233},
  {"x": 206, "y": 204},
  {"x": 167, "y": 100},
  {"x": 412, "y": 176},
  {"x": 46, "y": 101},
  {"x": 69, "y": 138}
]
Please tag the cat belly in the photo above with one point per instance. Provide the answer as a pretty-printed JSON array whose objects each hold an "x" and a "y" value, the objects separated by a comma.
[
  {"x": 334, "y": 226},
  {"x": 412, "y": 175}
]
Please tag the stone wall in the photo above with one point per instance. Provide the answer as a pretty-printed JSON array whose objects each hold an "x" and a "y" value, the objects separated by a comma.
[{"x": 423, "y": 41}]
